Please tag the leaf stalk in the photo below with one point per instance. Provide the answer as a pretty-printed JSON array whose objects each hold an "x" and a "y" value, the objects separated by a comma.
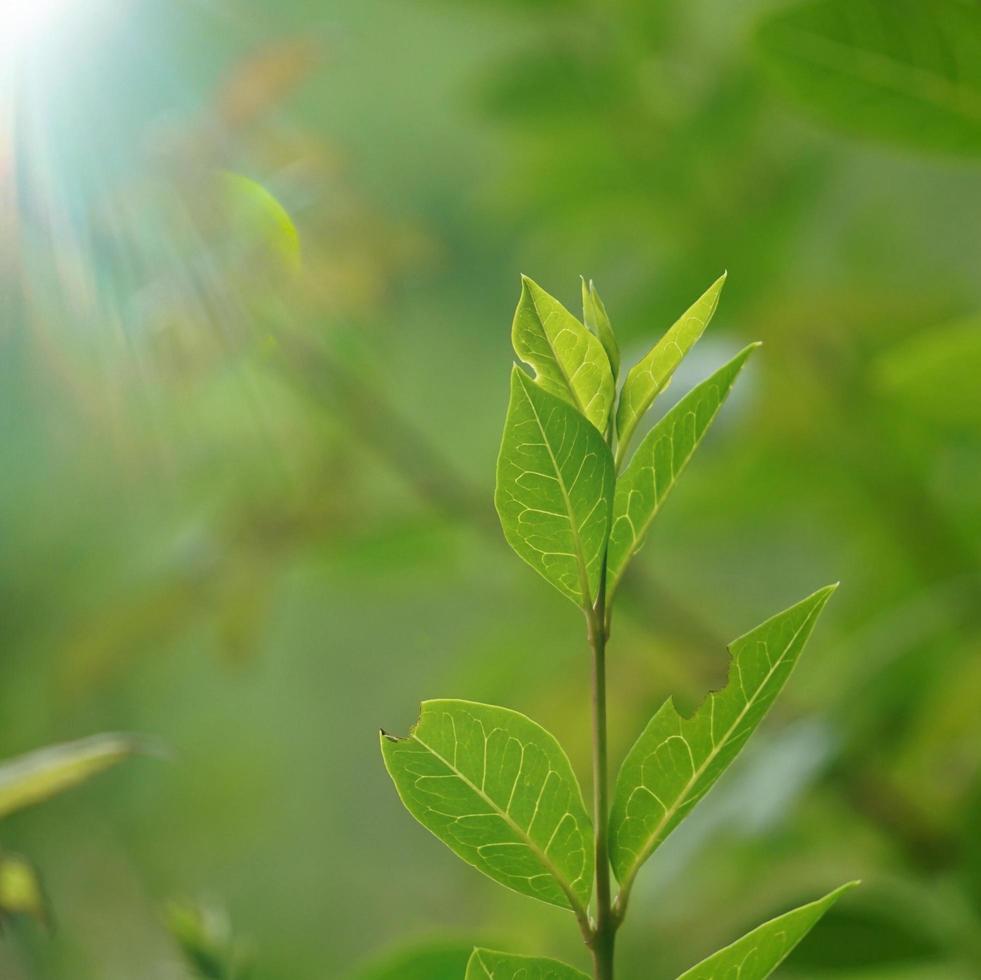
[{"x": 602, "y": 939}]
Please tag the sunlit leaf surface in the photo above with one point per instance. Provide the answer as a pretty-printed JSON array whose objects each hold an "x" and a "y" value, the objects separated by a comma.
[
  {"x": 569, "y": 361},
  {"x": 498, "y": 790},
  {"x": 554, "y": 489}
]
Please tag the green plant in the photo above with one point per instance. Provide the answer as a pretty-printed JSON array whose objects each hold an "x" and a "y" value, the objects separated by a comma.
[
  {"x": 575, "y": 505},
  {"x": 32, "y": 778}
]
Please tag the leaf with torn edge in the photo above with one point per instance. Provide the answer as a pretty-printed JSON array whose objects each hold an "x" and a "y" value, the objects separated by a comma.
[
  {"x": 677, "y": 760},
  {"x": 498, "y": 790}
]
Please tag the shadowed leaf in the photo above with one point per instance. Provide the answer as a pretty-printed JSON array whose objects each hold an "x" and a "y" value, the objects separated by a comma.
[
  {"x": 597, "y": 321},
  {"x": 761, "y": 951}
]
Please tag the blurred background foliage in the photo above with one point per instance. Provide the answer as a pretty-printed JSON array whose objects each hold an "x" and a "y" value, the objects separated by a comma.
[{"x": 259, "y": 262}]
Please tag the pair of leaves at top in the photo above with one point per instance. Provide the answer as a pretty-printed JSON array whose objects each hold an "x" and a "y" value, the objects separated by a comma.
[
  {"x": 558, "y": 494},
  {"x": 34, "y": 777},
  {"x": 753, "y": 957},
  {"x": 498, "y": 789}
]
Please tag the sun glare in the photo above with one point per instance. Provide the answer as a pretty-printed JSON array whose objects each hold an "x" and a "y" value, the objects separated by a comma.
[{"x": 24, "y": 23}]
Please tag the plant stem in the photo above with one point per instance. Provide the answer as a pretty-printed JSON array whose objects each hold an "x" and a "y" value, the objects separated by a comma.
[{"x": 604, "y": 932}]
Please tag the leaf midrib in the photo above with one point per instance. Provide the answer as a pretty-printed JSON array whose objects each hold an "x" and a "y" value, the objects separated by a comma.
[
  {"x": 670, "y": 815},
  {"x": 570, "y": 511},
  {"x": 558, "y": 361},
  {"x": 566, "y": 887}
]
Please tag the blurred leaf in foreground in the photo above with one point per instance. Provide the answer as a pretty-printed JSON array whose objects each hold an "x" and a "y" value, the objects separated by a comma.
[
  {"x": 907, "y": 72},
  {"x": 204, "y": 934},
  {"x": 935, "y": 373},
  {"x": 38, "y": 775}
]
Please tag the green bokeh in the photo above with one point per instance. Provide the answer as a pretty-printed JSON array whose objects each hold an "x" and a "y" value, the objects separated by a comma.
[{"x": 246, "y": 503}]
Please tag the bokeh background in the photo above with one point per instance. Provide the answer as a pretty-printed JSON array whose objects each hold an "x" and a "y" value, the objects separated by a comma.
[{"x": 259, "y": 263}]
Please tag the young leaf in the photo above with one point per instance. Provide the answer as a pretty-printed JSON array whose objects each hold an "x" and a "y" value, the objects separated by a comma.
[
  {"x": 568, "y": 360},
  {"x": 904, "y": 72},
  {"x": 647, "y": 379},
  {"x": 46, "y": 772},
  {"x": 761, "y": 951},
  {"x": 485, "y": 964},
  {"x": 498, "y": 790},
  {"x": 654, "y": 469},
  {"x": 554, "y": 489},
  {"x": 676, "y": 760},
  {"x": 598, "y": 323}
]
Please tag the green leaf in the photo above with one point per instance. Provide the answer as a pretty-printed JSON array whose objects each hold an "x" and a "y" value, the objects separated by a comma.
[
  {"x": 761, "y": 951},
  {"x": 676, "y": 760},
  {"x": 659, "y": 461},
  {"x": 46, "y": 772},
  {"x": 485, "y": 964},
  {"x": 569, "y": 361},
  {"x": 434, "y": 961},
  {"x": 905, "y": 72},
  {"x": 598, "y": 323},
  {"x": 647, "y": 379},
  {"x": 554, "y": 489},
  {"x": 498, "y": 790}
]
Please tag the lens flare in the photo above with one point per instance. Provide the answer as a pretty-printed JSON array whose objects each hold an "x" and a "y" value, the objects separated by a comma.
[{"x": 24, "y": 23}]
